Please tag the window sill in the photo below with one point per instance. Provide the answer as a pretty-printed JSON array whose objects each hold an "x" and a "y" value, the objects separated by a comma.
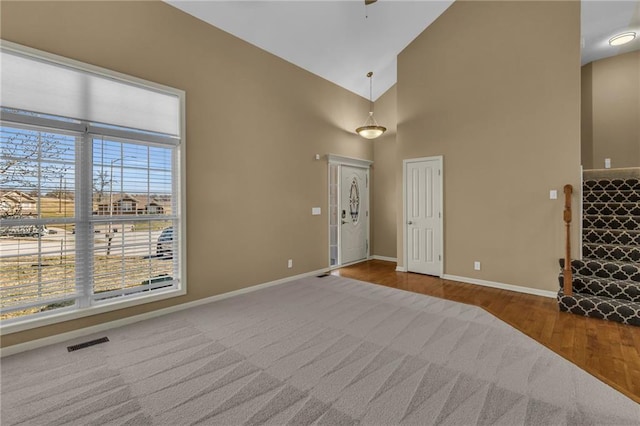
[{"x": 31, "y": 323}]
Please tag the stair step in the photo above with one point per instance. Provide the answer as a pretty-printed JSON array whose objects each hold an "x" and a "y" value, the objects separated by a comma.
[
  {"x": 620, "y": 209},
  {"x": 611, "y": 236},
  {"x": 628, "y": 223},
  {"x": 611, "y": 174},
  {"x": 605, "y": 269},
  {"x": 603, "y": 287},
  {"x": 613, "y": 196},
  {"x": 611, "y": 184},
  {"x": 613, "y": 252},
  {"x": 587, "y": 305},
  {"x": 606, "y": 282}
]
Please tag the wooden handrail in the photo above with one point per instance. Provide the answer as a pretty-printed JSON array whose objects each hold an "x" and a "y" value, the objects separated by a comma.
[{"x": 568, "y": 279}]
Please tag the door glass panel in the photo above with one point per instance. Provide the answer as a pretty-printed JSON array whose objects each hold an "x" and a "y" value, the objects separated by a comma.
[
  {"x": 334, "y": 220},
  {"x": 354, "y": 201}
]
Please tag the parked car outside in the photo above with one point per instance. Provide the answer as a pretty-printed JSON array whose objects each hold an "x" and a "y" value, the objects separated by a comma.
[{"x": 164, "y": 246}]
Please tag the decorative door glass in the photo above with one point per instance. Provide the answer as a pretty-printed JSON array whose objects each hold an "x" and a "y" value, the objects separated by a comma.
[{"x": 354, "y": 201}]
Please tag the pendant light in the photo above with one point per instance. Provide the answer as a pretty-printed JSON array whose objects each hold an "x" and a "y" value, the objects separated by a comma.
[{"x": 370, "y": 129}]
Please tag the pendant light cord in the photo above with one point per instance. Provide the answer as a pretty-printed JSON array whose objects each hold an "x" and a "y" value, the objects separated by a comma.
[{"x": 370, "y": 75}]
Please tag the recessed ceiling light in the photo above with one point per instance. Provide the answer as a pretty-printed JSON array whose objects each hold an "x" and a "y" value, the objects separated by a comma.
[{"x": 623, "y": 38}]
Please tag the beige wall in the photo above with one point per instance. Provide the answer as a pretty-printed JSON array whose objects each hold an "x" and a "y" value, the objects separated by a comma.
[
  {"x": 616, "y": 111},
  {"x": 494, "y": 87},
  {"x": 586, "y": 111},
  {"x": 383, "y": 227},
  {"x": 254, "y": 125}
]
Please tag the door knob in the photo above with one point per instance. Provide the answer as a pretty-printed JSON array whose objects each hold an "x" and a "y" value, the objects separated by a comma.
[
  {"x": 409, "y": 223},
  {"x": 344, "y": 222}
]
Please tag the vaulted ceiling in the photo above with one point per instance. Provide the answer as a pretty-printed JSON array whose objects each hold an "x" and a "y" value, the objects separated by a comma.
[{"x": 342, "y": 40}]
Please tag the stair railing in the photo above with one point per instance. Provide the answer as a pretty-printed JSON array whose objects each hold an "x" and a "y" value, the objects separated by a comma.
[{"x": 568, "y": 284}]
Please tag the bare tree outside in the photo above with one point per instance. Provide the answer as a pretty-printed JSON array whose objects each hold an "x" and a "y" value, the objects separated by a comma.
[
  {"x": 21, "y": 161},
  {"x": 31, "y": 165},
  {"x": 101, "y": 184}
]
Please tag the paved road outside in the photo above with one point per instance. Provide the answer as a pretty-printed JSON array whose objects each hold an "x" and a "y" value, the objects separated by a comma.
[{"x": 136, "y": 243}]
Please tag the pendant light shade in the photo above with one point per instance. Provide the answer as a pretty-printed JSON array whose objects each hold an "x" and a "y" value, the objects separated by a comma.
[{"x": 370, "y": 129}]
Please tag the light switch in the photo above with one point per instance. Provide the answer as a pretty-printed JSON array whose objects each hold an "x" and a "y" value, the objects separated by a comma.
[
  {"x": 553, "y": 194},
  {"x": 316, "y": 211}
]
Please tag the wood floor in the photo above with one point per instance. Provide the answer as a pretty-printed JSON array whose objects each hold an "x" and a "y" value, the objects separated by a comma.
[{"x": 607, "y": 350}]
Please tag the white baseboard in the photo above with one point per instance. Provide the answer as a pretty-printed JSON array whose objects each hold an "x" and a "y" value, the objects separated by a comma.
[
  {"x": 401, "y": 269},
  {"x": 502, "y": 286},
  {"x": 385, "y": 258},
  {"x": 63, "y": 337}
]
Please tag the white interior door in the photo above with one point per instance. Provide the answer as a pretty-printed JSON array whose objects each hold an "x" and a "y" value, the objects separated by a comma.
[
  {"x": 354, "y": 214},
  {"x": 424, "y": 216}
]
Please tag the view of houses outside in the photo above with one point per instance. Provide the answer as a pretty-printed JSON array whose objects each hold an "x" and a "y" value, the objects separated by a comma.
[{"x": 131, "y": 195}]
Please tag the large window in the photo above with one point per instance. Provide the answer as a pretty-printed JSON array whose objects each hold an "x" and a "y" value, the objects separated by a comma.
[{"x": 90, "y": 206}]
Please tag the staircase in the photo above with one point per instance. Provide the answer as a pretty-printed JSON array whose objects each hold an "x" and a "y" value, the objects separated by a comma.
[{"x": 606, "y": 282}]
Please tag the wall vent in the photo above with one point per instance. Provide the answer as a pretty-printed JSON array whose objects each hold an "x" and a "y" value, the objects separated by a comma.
[{"x": 87, "y": 344}]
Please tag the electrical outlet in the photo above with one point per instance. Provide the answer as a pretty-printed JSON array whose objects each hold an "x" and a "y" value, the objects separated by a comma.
[
  {"x": 290, "y": 263},
  {"x": 607, "y": 163},
  {"x": 476, "y": 265}
]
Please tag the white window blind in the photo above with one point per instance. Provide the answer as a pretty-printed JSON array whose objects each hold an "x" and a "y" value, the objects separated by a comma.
[
  {"x": 41, "y": 85},
  {"x": 37, "y": 190},
  {"x": 90, "y": 203},
  {"x": 129, "y": 178}
]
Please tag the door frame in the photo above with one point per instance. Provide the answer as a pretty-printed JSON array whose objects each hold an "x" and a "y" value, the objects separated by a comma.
[
  {"x": 405, "y": 250},
  {"x": 339, "y": 160}
]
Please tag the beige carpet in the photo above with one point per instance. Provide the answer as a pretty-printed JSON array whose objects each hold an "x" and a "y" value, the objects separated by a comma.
[{"x": 314, "y": 351}]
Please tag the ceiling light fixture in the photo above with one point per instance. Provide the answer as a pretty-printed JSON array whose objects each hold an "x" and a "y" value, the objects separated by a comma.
[
  {"x": 370, "y": 129},
  {"x": 621, "y": 39}
]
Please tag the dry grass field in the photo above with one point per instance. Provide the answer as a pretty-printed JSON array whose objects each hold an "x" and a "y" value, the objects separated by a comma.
[
  {"x": 24, "y": 279},
  {"x": 54, "y": 207}
]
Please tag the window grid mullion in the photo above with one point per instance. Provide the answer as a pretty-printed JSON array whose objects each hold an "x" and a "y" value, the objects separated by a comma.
[
  {"x": 84, "y": 234},
  {"x": 176, "y": 201},
  {"x": 39, "y": 213}
]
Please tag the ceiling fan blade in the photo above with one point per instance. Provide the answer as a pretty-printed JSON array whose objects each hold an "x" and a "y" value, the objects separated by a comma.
[{"x": 368, "y": 2}]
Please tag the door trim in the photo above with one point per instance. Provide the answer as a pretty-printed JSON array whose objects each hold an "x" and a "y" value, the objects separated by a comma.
[
  {"x": 333, "y": 159},
  {"x": 349, "y": 161},
  {"x": 405, "y": 250}
]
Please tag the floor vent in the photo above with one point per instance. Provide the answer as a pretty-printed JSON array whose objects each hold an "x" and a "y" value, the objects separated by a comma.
[
  {"x": 87, "y": 344},
  {"x": 326, "y": 274}
]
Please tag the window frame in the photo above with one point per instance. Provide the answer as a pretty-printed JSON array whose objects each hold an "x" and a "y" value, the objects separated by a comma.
[{"x": 88, "y": 131}]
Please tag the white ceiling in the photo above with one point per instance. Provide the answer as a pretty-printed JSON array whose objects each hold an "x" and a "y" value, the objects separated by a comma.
[
  {"x": 342, "y": 40},
  {"x": 601, "y": 20}
]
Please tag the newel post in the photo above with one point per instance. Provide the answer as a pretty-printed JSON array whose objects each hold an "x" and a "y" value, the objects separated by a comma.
[{"x": 568, "y": 284}]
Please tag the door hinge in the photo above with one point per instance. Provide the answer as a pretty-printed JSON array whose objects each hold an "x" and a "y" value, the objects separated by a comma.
[
  {"x": 367, "y": 245},
  {"x": 440, "y": 257},
  {"x": 440, "y": 215},
  {"x": 438, "y": 172}
]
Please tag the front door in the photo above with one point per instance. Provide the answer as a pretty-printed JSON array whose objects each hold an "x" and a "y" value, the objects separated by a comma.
[
  {"x": 424, "y": 216},
  {"x": 354, "y": 214}
]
